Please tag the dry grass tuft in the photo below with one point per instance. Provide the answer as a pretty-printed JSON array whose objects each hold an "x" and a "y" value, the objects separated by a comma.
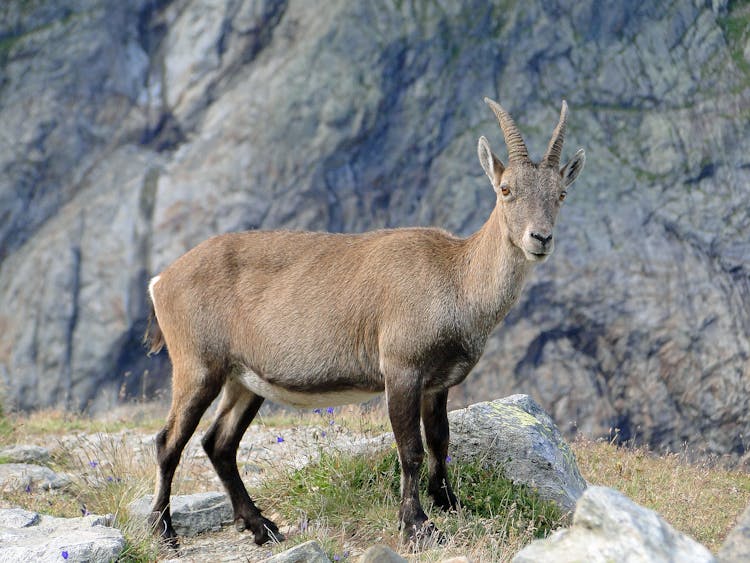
[
  {"x": 108, "y": 474},
  {"x": 45, "y": 425},
  {"x": 695, "y": 498}
]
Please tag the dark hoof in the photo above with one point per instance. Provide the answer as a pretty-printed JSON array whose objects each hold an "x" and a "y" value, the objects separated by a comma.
[
  {"x": 444, "y": 498},
  {"x": 171, "y": 542},
  {"x": 164, "y": 530},
  {"x": 446, "y": 503},
  {"x": 263, "y": 529}
]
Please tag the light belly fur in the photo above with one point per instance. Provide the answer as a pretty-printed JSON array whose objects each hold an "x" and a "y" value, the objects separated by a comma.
[{"x": 299, "y": 399}]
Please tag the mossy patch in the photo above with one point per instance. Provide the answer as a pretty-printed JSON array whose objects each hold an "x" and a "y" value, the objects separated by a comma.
[
  {"x": 736, "y": 28},
  {"x": 517, "y": 414}
]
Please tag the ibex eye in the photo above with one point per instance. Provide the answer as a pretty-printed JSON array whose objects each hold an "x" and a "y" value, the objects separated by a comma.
[
  {"x": 505, "y": 190},
  {"x": 563, "y": 194}
]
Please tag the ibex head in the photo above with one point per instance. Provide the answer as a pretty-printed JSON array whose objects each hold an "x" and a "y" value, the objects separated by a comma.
[{"x": 529, "y": 195}]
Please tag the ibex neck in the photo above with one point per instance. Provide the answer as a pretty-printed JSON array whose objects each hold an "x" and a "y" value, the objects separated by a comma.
[{"x": 494, "y": 271}]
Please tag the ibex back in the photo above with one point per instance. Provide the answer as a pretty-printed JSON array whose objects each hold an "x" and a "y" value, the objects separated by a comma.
[{"x": 319, "y": 319}]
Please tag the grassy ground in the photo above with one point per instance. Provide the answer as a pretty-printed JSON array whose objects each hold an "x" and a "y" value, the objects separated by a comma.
[{"x": 349, "y": 502}]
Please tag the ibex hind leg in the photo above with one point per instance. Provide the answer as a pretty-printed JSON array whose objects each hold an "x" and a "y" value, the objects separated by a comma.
[
  {"x": 235, "y": 412},
  {"x": 192, "y": 393}
]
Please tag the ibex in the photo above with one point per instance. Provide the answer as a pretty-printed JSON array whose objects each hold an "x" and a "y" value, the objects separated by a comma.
[{"x": 318, "y": 319}]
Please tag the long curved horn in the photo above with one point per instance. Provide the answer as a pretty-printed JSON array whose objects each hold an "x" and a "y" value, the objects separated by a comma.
[
  {"x": 554, "y": 150},
  {"x": 517, "y": 151}
]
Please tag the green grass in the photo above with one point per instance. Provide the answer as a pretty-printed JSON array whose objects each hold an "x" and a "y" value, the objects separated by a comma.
[
  {"x": 736, "y": 28},
  {"x": 353, "y": 501}
]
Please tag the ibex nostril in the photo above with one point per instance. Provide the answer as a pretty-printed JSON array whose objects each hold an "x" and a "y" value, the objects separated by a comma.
[{"x": 541, "y": 238}]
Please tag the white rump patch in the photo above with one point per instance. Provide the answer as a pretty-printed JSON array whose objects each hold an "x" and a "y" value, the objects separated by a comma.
[
  {"x": 151, "y": 285},
  {"x": 299, "y": 399}
]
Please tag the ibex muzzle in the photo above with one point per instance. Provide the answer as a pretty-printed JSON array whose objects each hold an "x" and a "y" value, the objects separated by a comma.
[{"x": 317, "y": 318}]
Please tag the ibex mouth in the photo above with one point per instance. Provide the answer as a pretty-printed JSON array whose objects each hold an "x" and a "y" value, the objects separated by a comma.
[{"x": 536, "y": 256}]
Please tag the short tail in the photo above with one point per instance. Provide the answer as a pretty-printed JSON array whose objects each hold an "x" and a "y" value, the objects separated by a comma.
[{"x": 153, "y": 338}]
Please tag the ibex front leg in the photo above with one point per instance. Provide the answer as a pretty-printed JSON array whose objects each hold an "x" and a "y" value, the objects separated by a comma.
[
  {"x": 404, "y": 396},
  {"x": 437, "y": 434}
]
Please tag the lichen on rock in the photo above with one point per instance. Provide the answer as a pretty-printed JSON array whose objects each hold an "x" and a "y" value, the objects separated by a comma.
[{"x": 517, "y": 437}]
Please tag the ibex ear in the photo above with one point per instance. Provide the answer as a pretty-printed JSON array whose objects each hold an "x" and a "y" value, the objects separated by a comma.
[
  {"x": 573, "y": 168},
  {"x": 491, "y": 164}
]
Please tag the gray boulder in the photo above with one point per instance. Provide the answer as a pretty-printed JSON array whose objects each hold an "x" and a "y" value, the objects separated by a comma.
[
  {"x": 381, "y": 554},
  {"x": 517, "y": 436},
  {"x": 17, "y": 518},
  {"x": 24, "y": 453},
  {"x": 24, "y": 476},
  {"x": 608, "y": 527},
  {"x": 46, "y": 538},
  {"x": 737, "y": 545},
  {"x": 308, "y": 552},
  {"x": 191, "y": 514}
]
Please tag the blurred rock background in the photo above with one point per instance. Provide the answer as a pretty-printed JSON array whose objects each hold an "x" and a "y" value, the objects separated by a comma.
[{"x": 131, "y": 131}]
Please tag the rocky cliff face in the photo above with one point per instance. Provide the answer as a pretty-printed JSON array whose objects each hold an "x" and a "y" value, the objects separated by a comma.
[{"x": 134, "y": 130}]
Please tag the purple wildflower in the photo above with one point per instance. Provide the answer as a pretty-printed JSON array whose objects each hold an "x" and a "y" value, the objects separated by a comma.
[
  {"x": 64, "y": 554},
  {"x": 337, "y": 558},
  {"x": 329, "y": 410},
  {"x": 93, "y": 463},
  {"x": 332, "y": 422},
  {"x": 448, "y": 459},
  {"x": 323, "y": 434},
  {"x": 28, "y": 488},
  {"x": 279, "y": 439}
]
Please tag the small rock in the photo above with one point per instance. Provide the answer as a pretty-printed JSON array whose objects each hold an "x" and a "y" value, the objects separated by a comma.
[
  {"x": 607, "y": 526},
  {"x": 24, "y": 453},
  {"x": 381, "y": 554},
  {"x": 287, "y": 530},
  {"x": 369, "y": 446},
  {"x": 49, "y": 538},
  {"x": 737, "y": 545},
  {"x": 459, "y": 559},
  {"x": 21, "y": 476},
  {"x": 17, "y": 518},
  {"x": 308, "y": 552},
  {"x": 516, "y": 434},
  {"x": 191, "y": 514}
]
